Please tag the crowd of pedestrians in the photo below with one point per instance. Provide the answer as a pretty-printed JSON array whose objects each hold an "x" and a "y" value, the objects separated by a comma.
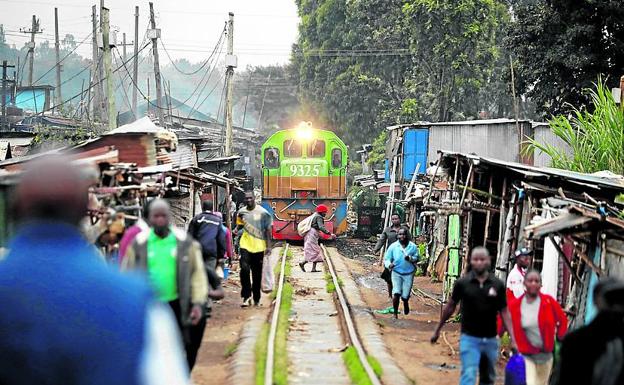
[
  {"x": 534, "y": 321},
  {"x": 68, "y": 318}
]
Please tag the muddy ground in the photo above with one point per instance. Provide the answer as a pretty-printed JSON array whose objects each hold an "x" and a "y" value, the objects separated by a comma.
[
  {"x": 408, "y": 337},
  {"x": 222, "y": 333}
]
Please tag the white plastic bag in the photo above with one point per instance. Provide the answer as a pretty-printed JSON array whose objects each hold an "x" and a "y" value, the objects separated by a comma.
[
  {"x": 305, "y": 225},
  {"x": 268, "y": 278}
]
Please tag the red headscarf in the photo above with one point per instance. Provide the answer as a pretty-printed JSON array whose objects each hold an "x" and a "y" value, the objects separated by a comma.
[{"x": 321, "y": 209}]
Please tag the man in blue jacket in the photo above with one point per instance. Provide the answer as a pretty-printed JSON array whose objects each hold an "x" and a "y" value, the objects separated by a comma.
[
  {"x": 66, "y": 317},
  {"x": 207, "y": 229},
  {"x": 400, "y": 259}
]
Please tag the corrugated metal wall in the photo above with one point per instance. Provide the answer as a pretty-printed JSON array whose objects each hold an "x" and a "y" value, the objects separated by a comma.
[
  {"x": 491, "y": 140},
  {"x": 543, "y": 134}
]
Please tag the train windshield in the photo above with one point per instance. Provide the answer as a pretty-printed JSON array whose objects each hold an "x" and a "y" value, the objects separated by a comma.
[
  {"x": 271, "y": 158},
  {"x": 336, "y": 158},
  {"x": 316, "y": 149},
  {"x": 292, "y": 148}
]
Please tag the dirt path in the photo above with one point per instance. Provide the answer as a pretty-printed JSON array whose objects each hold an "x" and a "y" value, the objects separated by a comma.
[
  {"x": 222, "y": 333},
  {"x": 408, "y": 337}
]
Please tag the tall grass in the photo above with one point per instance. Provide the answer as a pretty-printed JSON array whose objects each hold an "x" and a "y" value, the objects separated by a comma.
[{"x": 595, "y": 136}]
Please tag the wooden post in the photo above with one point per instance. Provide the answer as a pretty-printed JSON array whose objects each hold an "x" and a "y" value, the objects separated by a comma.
[
  {"x": 57, "y": 47},
  {"x": 155, "y": 35}
]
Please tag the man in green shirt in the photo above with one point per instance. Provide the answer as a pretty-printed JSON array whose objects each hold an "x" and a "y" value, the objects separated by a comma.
[{"x": 174, "y": 266}]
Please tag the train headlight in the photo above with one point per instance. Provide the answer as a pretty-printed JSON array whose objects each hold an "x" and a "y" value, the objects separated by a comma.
[{"x": 304, "y": 131}]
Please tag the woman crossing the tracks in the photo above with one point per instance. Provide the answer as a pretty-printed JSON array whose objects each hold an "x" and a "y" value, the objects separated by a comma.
[
  {"x": 400, "y": 259},
  {"x": 311, "y": 250}
]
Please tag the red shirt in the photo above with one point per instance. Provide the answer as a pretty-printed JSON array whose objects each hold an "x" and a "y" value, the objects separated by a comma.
[{"x": 551, "y": 319}]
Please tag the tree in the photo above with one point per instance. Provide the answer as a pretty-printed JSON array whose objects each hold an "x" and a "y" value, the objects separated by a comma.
[
  {"x": 562, "y": 46},
  {"x": 367, "y": 64},
  {"x": 595, "y": 136}
]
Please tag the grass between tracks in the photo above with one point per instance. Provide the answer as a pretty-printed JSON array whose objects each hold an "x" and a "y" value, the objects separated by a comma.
[
  {"x": 330, "y": 283},
  {"x": 280, "y": 367},
  {"x": 356, "y": 369}
]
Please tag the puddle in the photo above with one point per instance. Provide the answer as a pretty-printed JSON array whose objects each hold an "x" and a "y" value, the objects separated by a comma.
[
  {"x": 373, "y": 282},
  {"x": 441, "y": 367}
]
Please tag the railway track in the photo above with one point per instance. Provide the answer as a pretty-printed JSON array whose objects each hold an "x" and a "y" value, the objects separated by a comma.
[{"x": 316, "y": 338}]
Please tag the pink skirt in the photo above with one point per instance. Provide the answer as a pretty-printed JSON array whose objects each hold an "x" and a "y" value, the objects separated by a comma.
[{"x": 311, "y": 250}]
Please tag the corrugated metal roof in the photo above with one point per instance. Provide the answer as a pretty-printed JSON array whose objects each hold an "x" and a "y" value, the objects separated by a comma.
[
  {"x": 460, "y": 123},
  {"x": 573, "y": 176}
]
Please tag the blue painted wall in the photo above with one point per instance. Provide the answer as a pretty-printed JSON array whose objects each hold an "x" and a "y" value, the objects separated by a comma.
[
  {"x": 415, "y": 148},
  {"x": 32, "y": 100}
]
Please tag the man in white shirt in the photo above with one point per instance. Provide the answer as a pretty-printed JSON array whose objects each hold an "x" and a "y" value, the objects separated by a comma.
[{"x": 515, "y": 279}]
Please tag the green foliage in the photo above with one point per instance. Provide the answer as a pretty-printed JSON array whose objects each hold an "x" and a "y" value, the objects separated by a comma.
[
  {"x": 356, "y": 369},
  {"x": 262, "y": 341},
  {"x": 363, "y": 65},
  {"x": 330, "y": 286},
  {"x": 377, "y": 155},
  {"x": 562, "y": 46},
  {"x": 595, "y": 136}
]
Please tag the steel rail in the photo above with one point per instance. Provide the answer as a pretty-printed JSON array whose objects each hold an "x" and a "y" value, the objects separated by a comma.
[
  {"x": 353, "y": 336},
  {"x": 270, "y": 358}
]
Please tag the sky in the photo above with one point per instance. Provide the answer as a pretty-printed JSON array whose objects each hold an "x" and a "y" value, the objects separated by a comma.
[{"x": 264, "y": 30}]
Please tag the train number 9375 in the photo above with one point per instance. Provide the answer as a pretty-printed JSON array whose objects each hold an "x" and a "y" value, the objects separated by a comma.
[{"x": 305, "y": 170}]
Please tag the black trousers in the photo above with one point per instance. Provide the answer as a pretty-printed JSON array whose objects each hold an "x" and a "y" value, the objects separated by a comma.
[
  {"x": 251, "y": 263},
  {"x": 191, "y": 335}
]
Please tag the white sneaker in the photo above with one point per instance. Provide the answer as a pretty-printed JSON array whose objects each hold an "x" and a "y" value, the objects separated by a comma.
[{"x": 246, "y": 302}]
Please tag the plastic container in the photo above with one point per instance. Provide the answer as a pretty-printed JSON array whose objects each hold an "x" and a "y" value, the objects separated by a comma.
[
  {"x": 226, "y": 272},
  {"x": 515, "y": 371}
]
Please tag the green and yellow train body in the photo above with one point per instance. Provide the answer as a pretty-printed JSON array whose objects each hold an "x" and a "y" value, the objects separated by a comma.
[{"x": 301, "y": 169}]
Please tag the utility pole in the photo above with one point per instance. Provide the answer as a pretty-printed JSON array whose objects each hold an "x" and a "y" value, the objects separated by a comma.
[
  {"x": 95, "y": 72},
  {"x": 154, "y": 34},
  {"x": 135, "y": 78},
  {"x": 110, "y": 91},
  {"x": 124, "y": 47},
  {"x": 4, "y": 92},
  {"x": 230, "y": 62},
  {"x": 57, "y": 47},
  {"x": 34, "y": 29}
]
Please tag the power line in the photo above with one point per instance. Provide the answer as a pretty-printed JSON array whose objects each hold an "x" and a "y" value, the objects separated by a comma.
[
  {"x": 202, "y": 66},
  {"x": 92, "y": 85},
  {"x": 63, "y": 59}
]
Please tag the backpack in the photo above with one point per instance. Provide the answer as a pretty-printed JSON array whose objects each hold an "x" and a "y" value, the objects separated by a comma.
[{"x": 305, "y": 225}]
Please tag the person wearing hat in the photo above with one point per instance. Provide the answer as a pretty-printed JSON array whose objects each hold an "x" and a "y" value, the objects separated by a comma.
[
  {"x": 515, "y": 279},
  {"x": 311, "y": 250}
]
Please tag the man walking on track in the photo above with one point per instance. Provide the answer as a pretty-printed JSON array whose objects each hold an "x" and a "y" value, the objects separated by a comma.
[
  {"x": 66, "y": 317},
  {"x": 173, "y": 263},
  {"x": 311, "y": 250},
  {"x": 400, "y": 259},
  {"x": 483, "y": 297},
  {"x": 207, "y": 229},
  {"x": 387, "y": 238},
  {"x": 255, "y": 223}
]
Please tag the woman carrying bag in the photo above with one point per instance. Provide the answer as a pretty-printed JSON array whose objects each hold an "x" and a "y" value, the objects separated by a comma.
[
  {"x": 311, "y": 250},
  {"x": 537, "y": 320}
]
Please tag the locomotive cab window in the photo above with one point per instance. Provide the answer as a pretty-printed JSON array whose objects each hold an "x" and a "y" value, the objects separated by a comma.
[
  {"x": 316, "y": 149},
  {"x": 292, "y": 149},
  {"x": 271, "y": 158},
  {"x": 336, "y": 158}
]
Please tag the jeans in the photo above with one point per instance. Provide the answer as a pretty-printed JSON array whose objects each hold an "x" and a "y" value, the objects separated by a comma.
[
  {"x": 402, "y": 284},
  {"x": 251, "y": 263},
  {"x": 470, "y": 351}
]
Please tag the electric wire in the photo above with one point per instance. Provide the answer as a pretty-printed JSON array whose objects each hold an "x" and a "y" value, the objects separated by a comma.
[
  {"x": 63, "y": 59},
  {"x": 202, "y": 66},
  {"x": 91, "y": 86}
]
